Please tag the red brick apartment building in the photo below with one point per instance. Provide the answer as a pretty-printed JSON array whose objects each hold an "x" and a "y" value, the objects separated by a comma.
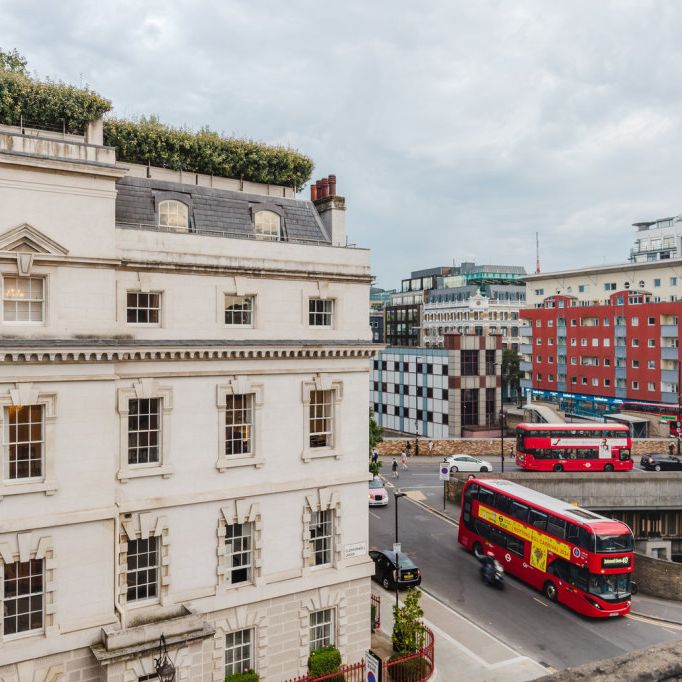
[{"x": 625, "y": 349}]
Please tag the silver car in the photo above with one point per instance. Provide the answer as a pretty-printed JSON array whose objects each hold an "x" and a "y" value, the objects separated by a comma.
[{"x": 468, "y": 463}]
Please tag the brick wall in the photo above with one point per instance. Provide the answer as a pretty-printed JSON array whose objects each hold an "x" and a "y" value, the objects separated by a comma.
[{"x": 480, "y": 447}]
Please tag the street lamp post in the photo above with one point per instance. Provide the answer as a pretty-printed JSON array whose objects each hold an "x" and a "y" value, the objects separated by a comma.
[
  {"x": 502, "y": 416},
  {"x": 396, "y": 547}
]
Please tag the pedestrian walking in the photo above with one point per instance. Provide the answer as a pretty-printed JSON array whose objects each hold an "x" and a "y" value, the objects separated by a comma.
[
  {"x": 375, "y": 456},
  {"x": 394, "y": 468},
  {"x": 430, "y": 447},
  {"x": 407, "y": 448},
  {"x": 403, "y": 460}
]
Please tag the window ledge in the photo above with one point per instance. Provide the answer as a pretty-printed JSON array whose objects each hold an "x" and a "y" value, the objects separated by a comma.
[
  {"x": 126, "y": 474},
  {"x": 320, "y": 453},
  {"x": 48, "y": 487},
  {"x": 230, "y": 462}
]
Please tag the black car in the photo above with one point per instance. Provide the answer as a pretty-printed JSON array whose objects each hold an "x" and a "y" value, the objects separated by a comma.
[
  {"x": 385, "y": 569},
  {"x": 661, "y": 463}
]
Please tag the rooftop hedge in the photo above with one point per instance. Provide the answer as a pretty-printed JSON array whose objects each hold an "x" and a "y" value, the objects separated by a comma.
[
  {"x": 55, "y": 105},
  {"x": 148, "y": 141},
  {"x": 48, "y": 104}
]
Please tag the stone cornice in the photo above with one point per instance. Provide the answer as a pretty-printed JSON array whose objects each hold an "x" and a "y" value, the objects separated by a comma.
[{"x": 23, "y": 351}]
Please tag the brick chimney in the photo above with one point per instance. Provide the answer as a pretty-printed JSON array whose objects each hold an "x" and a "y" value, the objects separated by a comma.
[{"x": 331, "y": 208}]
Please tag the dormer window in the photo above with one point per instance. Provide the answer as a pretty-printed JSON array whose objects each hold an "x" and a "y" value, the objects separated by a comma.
[
  {"x": 173, "y": 214},
  {"x": 268, "y": 225}
]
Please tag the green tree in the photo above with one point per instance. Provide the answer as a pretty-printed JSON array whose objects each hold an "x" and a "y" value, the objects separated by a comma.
[
  {"x": 375, "y": 432},
  {"x": 511, "y": 373},
  {"x": 408, "y": 630},
  {"x": 12, "y": 61}
]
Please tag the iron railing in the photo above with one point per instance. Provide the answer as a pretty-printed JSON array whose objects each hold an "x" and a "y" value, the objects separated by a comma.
[
  {"x": 206, "y": 232},
  {"x": 413, "y": 667},
  {"x": 376, "y": 603}
]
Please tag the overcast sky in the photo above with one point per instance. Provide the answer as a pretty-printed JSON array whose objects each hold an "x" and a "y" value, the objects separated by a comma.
[{"x": 456, "y": 129}]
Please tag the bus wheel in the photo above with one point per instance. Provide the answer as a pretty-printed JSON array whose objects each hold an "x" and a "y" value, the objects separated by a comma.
[
  {"x": 557, "y": 467},
  {"x": 478, "y": 550},
  {"x": 550, "y": 591},
  {"x": 608, "y": 467}
]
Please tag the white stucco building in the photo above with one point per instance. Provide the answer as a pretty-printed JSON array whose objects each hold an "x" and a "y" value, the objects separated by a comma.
[{"x": 183, "y": 387}]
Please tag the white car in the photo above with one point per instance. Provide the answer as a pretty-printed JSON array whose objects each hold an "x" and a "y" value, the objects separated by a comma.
[{"x": 468, "y": 463}]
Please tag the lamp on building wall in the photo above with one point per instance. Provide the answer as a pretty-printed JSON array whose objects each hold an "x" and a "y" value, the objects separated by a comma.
[{"x": 163, "y": 666}]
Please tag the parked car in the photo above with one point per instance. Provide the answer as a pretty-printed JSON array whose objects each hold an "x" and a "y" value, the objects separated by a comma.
[
  {"x": 378, "y": 497},
  {"x": 385, "y": 569},
  {"x": 661, "y": 463},
  {"x": 468, "y": 463}
]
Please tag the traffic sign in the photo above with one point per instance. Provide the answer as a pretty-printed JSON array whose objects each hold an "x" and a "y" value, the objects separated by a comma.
[
  {"x": 396, "y": 547},
  {"x": 444, "y": 472},
  {"x": 372, "y": 667}
]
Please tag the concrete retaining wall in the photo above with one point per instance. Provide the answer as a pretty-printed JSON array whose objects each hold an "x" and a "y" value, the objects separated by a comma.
[
  {"x": 663, "y": 662},
  {"x": 490, "y": 447},
  {"x": 597, "y": 490}
]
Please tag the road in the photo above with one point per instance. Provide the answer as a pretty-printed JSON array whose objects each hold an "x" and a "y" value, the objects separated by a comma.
[{"x": 518, "y": 616}]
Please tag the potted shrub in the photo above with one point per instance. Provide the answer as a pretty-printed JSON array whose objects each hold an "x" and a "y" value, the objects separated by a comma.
[
  {"x": 324, "y": 661},
  {"x": 246, "y": 676}
]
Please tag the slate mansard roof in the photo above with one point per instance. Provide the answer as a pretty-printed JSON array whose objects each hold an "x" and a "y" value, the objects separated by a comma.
[{"x": 215, "y": 211}]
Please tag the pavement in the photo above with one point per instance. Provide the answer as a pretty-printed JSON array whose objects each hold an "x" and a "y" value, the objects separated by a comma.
[{"x": 465, "y": 650}]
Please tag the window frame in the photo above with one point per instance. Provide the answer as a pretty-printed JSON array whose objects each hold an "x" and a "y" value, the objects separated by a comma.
[
  {"x": 43, "y": 300},
  {"x": 268, "y": 236},
  {"x": 250, "y": 311},
  {"x": 159, "y": 309},
  {"x": 230, "y": 554},
  {"x": 23, "y": 395},
  {"x": 331, "y": 623},
  {"x": 144, "y": 526},
  {"x": 43, "y": 593},
  {"x": 252, "y": 651},
  {"x": 321, "y": 518},
  {"x": 139, "y": 415},
  {"x": 7, "y": 443},
  {"x": 176, "y": 203},
  {"x": 240, "y": 385},
  {"x": 144, "y": 389},
  {"x": 322, "y": 383},
  {"x": 315, "y": 314},
  {"x": 151, "y": 540}
]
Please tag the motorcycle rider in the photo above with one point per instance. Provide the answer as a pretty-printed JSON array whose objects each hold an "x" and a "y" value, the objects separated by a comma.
[{"x": 489, "y": 567}]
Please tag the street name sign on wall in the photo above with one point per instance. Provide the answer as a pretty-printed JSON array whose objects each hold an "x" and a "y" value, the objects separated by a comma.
[
  {"x": 354, "y": 549},
  {"x": 372, "y": 667}
]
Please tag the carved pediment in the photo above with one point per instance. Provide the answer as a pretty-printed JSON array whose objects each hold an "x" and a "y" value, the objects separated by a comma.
[{"x": 27, "y": 239}]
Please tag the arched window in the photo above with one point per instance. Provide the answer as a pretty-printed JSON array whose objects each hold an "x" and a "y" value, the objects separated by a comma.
[
  {"x": 268, "y": 225},
  {"x": 173, "y": 214}
]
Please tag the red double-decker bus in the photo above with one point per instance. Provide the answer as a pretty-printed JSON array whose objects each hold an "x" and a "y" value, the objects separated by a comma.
[
  {"x": 574, "y": 447},
  {"x": 574, "y": 556}
]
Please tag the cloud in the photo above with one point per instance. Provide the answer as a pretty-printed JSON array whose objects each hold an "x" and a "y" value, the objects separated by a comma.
[{"x": 456, "y": 129}]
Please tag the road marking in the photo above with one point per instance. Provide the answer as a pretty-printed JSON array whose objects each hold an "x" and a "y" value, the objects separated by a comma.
[
  {"x": 416, "y": 495},
  {"x": 376, "y": 516},
  {"x": 539, "y": 601},
  {"x": 490, "y": 666},
  {"x": 666, "y": 625}
]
